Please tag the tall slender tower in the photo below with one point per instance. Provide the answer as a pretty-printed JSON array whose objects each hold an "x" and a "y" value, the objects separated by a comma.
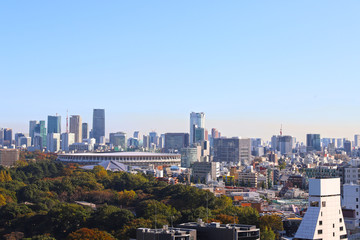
[
  {"x": 76, "y": 127},
  {"x": 98, "y": 129},
  {"x": 323, "y": 218}
]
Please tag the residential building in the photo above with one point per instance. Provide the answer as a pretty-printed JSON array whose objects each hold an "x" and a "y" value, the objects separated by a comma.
[
  {"x": 98, "y": 129},
  {"x": 204, "y": 171},
  {"x": 323, "y": 218},
  {"x": 8, "y": 157}
]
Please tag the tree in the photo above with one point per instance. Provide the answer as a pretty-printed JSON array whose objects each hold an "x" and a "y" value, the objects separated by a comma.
[
  {"x": 111, "y": 217},
  {"x": 126, "y": 197},
  {"x": 66, "y": 218},
  {"x": 267, "y": 234},
  {"x": 2, "y": 200},
  {"x": 272, "y": 222},
  {"x": 90, "y": 234},
  {"x": 129, "y": 230},
  {"x": 100, "y": 172}
]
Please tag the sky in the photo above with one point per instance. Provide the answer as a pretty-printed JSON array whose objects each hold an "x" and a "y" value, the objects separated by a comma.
[{"x": 249, "y": 65}]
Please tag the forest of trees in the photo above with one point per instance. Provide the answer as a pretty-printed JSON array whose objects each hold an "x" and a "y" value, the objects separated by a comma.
[{"x": 37, "y": 201}]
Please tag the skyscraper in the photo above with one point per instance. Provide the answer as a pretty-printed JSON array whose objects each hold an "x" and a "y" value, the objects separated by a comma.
[
  {"x": 32, "y": 125},
  {"x": 53, "y": 142},
  {"x": 7, "y": 137},
  {"x": 285, "y": 144},
  {"x": 313, "y": 142},
  {"x": 66, "y": 140},
  {"x": 356, "y": 140},
  {"x": 54, "y": 124},
  {"x": 1, "y": 136},
  {"x": 76, "y": 127},
  {"x": 197, "y": 120},
  {"x": 85, "y": 131},
  {"x": 40, "y": 134},
  {"x": 118, "y": 139},
  {"x": 98, "y": 129}
]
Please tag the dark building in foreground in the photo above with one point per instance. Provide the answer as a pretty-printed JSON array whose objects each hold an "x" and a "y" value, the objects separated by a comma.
[
  {"x": 165, "y": 234},
  {"x": 8, "y": 157},
  {"x": 216, "y": 231},
  {"x": 234, "y": 150}
]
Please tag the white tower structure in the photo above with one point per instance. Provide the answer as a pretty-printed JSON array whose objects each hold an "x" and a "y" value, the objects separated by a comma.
[{"x": 323, "y": 218}]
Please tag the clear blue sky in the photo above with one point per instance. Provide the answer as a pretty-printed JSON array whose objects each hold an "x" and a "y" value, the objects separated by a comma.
[{"x": 249, "y": 65}]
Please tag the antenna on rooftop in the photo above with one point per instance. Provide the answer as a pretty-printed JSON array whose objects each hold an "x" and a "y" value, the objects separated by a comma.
[{"x": 281, "y": 130}]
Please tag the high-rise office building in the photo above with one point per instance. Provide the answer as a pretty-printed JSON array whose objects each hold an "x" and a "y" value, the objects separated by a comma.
[
  {"x": 53, "y": 142},
  {"x": 285, "y": 145},
  {"x": 174, "y": 142},
  {"x": 357, "y": 140},
  {"x": 40, "y": 135},
  {"x": 98, "y": 129},
  {"x": 313, "y": 142},
  {"x": 17, "y": 138},
  {"x": 347, "y": 147},
  {"x": 54, "y": 124},
  {"x": 1, "y": 136},
  {"x": 197, "y": 120},
  {"x": 154, "y": 139},
  {"x": 323, "y": 218},
  {"x": 76, "y": 127},
  {"x": 7, "y": 137},
  {"x": 214, "y": 133},
  {"x": 146, "y": 141},
  {"x": 233, "y": 150},
  {"x": 118, "y": 139},
  {"x": 32, "y": 125},
  {"x": 85, "y": 131},
  {"x": 25, "y": 141},
  {"x": 66, "y": 140}
]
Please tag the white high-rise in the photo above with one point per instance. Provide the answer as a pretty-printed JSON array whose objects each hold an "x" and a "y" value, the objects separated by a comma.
[
  {"x": 197, "y": 120},
  {"x": 66, "y": 140},
  {"x": 323, "y": 218},
  {"x": 53, "y": 142}
]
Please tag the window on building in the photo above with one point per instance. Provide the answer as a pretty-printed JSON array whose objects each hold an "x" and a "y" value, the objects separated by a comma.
[
  {"x": 319, "y": 231},
  {"x": 333, "y": 225},
  {"x": 357, "y": 206},
  {"x": 321, "y": 213},
  {"x": 323, "y": 204},
  {"x": 357, "y": 189},
  {"x": 314, "y": 204},
  {"x": 357, "y": 199},
  {"x": 341, "y": 228},
  {"x": 333, "y": 234},
  {"x": 340, "y": 219},
  {"x": 320, "y": 223}
]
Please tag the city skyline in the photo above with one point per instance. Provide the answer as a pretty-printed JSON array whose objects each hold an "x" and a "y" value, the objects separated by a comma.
[
  {"x": 250, "y": 67},
  {"x": 182, "y": 125}
]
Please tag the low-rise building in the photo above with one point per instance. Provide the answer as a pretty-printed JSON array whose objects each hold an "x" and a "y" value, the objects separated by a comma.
[{"x": 166, "y": 234}]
